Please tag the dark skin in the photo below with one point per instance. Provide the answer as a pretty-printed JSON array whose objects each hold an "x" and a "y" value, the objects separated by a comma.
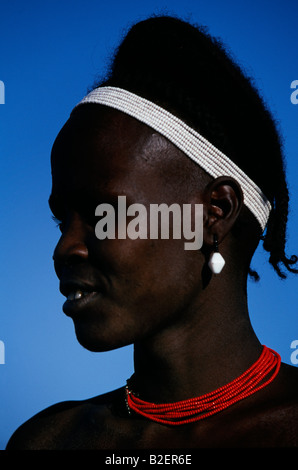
[{"x": 190, "y": 329}]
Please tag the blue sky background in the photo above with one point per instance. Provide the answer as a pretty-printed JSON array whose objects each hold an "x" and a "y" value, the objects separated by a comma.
[{"x": 50, "y": 52}]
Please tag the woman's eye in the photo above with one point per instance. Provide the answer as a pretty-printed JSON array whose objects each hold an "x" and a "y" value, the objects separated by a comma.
[{"x": 57, "y": 222}]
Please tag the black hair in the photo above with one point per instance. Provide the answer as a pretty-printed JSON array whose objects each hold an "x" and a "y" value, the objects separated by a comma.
[{"x": 183, "y": 68}]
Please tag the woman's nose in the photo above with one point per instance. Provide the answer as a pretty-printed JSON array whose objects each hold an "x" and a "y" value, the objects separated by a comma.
[{"x": 72, "y": 245}]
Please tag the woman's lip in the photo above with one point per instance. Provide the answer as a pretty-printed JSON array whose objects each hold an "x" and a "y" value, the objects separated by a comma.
[
  {"x": 73, "y": 307},
  {"x": 73, "y": 286}
]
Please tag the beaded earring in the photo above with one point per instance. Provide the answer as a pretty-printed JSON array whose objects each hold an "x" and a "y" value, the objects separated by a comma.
[{"x": 216, "y": 261}]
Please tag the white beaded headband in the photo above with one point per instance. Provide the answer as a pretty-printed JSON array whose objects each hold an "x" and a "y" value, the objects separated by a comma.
[{"x": 195, "y": 146}]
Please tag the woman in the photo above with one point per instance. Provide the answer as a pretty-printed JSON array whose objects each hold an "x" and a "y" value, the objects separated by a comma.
[{"x": 184, "y": 310}]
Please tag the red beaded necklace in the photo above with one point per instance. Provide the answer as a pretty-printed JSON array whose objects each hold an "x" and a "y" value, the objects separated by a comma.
[{"x": 258, "y": 376}]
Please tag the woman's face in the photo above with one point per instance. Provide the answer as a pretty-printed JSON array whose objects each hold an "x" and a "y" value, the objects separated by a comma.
[{"x": 126, "y": 289}]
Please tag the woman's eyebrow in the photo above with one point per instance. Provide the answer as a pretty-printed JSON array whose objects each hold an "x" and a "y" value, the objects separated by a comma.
[
  {"x": 56, "y": 206},
  {"x": 82, "y": 200},
  {"x": 53, "y": 203}
]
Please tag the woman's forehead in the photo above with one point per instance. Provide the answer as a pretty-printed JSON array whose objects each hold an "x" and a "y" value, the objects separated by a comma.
[
  {"x": 103, "y": 138},
  {"x": 108, "y": 149},
  {"x": 96, "y": 131},
  {"x": 108, "y": 152}
]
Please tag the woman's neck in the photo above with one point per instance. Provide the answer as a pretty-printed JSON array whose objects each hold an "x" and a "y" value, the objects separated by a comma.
[{"x": 201, "y": 351}]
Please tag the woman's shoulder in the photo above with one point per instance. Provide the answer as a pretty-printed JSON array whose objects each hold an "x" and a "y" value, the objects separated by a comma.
[
  {"x": 267, "y": 419},
  {"x": 47, "y": 428},
  {"x": 288, "y": 382},
  {"x": 273, "y": 419}
]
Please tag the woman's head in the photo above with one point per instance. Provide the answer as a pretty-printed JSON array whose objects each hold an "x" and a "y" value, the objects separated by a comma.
[
  {"x": 183, "y": 69},
  {"x": 131, "y": 289}
]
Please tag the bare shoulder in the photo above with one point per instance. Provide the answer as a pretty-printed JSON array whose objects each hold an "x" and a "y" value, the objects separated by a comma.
[
  {"x": 39, "y": 430},
  {"x": 53, "y": 426},
  {"x": 281, "y": 396},
  {"x": 288, "y": 380},
  {"x": 273, "y": 419},
  {"x": 267, "y": 419}
]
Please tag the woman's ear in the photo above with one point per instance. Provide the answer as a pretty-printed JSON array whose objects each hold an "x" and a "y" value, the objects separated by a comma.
[{"x": 223, "y": 200}]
